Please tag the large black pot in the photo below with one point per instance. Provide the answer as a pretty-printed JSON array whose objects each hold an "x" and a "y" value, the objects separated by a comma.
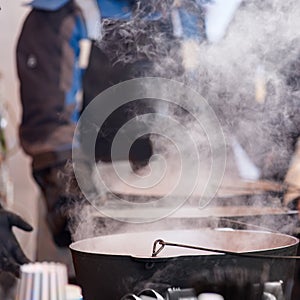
[{"x": 108, "y": 267}]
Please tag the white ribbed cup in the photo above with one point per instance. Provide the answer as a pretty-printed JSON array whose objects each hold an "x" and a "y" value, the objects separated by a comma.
[{"x": 43, "y": 281}]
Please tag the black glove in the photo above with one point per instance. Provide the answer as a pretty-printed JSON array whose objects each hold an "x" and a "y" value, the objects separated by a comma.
[{"x": 11, "y": 254}]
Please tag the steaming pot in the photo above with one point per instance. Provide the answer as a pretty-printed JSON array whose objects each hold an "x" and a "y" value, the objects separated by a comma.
[{"x": 108, "y": 267}]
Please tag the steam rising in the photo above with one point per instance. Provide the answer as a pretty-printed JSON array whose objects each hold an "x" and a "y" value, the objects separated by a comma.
[
  {"x": 249, "y": 78},
  {"x": 255, "y": 106}
]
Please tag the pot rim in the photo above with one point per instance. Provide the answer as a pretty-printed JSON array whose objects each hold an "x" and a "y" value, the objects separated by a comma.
[{"x": 294, "y": 242}]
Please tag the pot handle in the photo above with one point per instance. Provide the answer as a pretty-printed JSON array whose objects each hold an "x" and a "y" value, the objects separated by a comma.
[
  {"x": 151, "y": 293},
  {"x": 131, "y": 297}
]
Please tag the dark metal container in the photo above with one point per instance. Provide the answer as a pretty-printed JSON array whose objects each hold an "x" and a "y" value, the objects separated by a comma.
[{"x": 108, "y": 267}]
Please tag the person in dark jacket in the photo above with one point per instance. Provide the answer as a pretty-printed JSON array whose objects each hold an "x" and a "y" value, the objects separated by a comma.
[
  {"x": 135, "y": 36},
  {"x": 48, "y": 53}
]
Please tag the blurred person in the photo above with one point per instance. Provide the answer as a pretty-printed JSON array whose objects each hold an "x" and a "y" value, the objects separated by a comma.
[
  {"x": 137, "y": 36},
  {"x": 292, "y": 177},
  {"x": 48, "y": 52}
]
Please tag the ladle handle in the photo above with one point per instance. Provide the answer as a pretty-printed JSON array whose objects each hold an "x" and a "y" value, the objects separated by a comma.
[
  {"x": 163, "y": 243},
  {"x": 155, "y": 251}
]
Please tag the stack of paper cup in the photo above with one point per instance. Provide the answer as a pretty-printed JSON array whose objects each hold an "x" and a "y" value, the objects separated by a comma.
[{"x": 43, "y": 281}]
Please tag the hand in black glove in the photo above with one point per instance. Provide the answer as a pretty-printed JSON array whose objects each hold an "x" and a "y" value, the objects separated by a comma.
[{"x": 11, "y": 254}]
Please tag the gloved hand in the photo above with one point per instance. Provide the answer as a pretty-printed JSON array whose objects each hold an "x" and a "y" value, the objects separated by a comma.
[{"x": 11, "y": 254}]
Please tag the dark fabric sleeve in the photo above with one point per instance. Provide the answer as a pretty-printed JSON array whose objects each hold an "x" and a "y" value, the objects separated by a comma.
[
  {"x": 39, "y": 54},
  {"x": 45, "y": 64}
]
